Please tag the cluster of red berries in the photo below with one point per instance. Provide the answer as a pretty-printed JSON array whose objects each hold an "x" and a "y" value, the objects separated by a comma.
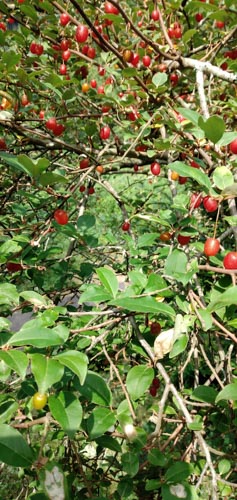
[{"x": 154, "y": 387}]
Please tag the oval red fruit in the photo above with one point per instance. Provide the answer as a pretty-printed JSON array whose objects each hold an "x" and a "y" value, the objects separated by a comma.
[
  {"x": 82, "y": 33},
  {"x": 155, "y": 168},
  {"x": 211, "y": 247},
  {"x": 153, "y": 391},
  {"x": 230, "y": 260},
  {"x": 183, "y": 240},
  {"x": 155, "y": 328},
  {"x": 233, "y": 146},
  {"x": 210, "y": 204},
  {"x": 105, "y": 132},
  {"x": 61, "y": 216},
  {"x": 126, "y": 226}
]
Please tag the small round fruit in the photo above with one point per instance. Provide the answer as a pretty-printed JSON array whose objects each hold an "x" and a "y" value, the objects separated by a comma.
[
  {"x": 39, "y": 401},
  {"x": 105, "y": 133},
  {"x": 146, "y": 61},
  {"x": 126, "y": 226},
  {"x": 174, "y": 78},
  {"x": 183, "y": 240},
  {"x": 155, "y": 15},
  {"x": 211, "y": 247},
  {"x": 13, "y": 267},
  {"x": 210, "y": 204},
  {"x": 174, "y": 175},
  {"x": 155, "y": 168},
  {"x": 166, "y": 236},
  {"x": 155, "y": 383},
  {"x": 230, "y": 260},
  {"x": 109, "y": 8},
  {"x": 84, "y": 163},
  {"x": 233, "y": 146},
  {"x": 91, "y": 190},
  {"x": 61, "y": 216},
  {"x": 64, "y": 19},
  {"x": 182, "y": 180},
  {"x": 100, "y": 169},
  {"x": 51, "y": 123},
  {"x": 155, "y": 328},
  {"x": 195, "y": 200},
  {"x": 82, "y": 33}
]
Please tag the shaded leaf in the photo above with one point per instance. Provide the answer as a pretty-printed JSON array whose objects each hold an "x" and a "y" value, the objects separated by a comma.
[
  {"x": 100, "y": 421},
  {"x": 46, "y": 371},
  {"x": 76, "y": 361},
  {"x": 138, "y": 380},
  {"x": 14, "y": 450},
  {"x": 228, "y": 393},
  {"x": 108, "y": 279},
  {"x": 67, "y": 410}
]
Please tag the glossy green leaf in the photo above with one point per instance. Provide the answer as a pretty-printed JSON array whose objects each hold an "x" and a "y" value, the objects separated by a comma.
[
  {"x": 8, "y": 407},
  {"x": 205, "y": 394},
  {"x": 143, "y": 305},
  {"x": 14, "y": 450},
  {"x": 224, "y": 466},
  {"x": 108, "y": 279},
  {"x": 194, "y": 173},
  {"x": 95, "y": 389},
  {"x": 76, "y": 361},
  {"x": 157, "y": 458},
  {"x": 213, "y": 127},
  {"x": 46, "y": 371},
  {"x": 125, "y": 487},
  {"x": 227, "y": 138},
  {"x": 16, "y": 360},
  {"x": 159, "y": 79},
  {"x": 49, "y": 179},
  {"x": 109, "y": 442},
  {"x": 94, "y": 293},
  {"x": 130, "y": 463},
  {"x": 178, "y": 472},
  {"x": 228, "y": 393},
  {"x": 32, "y": 333},
  {"x": 67, "y": 410},
  {"x": 227, "y": 298},
  {"x": 34, "y": 298},
  {"x": 206, "y": 317},
  {"x": 8, "y": 294},
  {"x": 179, "y": 346},
  {"x": 138, "y": 380},
  {"x": 100, "y": 421}
]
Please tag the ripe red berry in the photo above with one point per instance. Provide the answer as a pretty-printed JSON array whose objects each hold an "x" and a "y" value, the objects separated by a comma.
[
  {"x": 3, "y": 145},
  {"x": 63, "y": 69},
  {"x": 126, "y": 226},
  {"x": 155, "y": 328},
  {"x": 93, "y": 84},
  {"x": 233, "y": 146},
  {"x": 109, "y": 8},
  {"x": 66, "y": 55},
  {"x": 174, "y": 78},
  {"x": 195, "y": 200},
  {"x": 155, "y": 383},
  {"x": 64, "y": 19},
  {"x": 146, "y": 61},
  {"x": 105, "y": 133},
  {"x": 210, "y": 204},
  {"x": 198, "y": 17},
  {"x": 91, "y": 190},
  {"x": 182, "y": 180},
  {"x": 219, "y": 24},
  {"x": 211, "y": 247},
  {"x": 155, "y": 168},
  {"x": 58, "y": 129},
  {"x": 155, "y": 15},
  {"x": 194, "y": 164},
  {"x": 51, "y": 123},
  {"x": 82, "y": 33},
  {"x": 61, "y": 216},
  {"x": 153, "y": 391},
  {"x": 91, "y": 53},
  {"x": 177, "y": 33},
  {"x": 84, "y": 163},
  {"x": 82, "y": 189},
  {"x": 64, "y": 44},
  {"x": 230, "y": 260},
  {"x": 183, "y": 240},
  {"x": 13, "y": 267}
]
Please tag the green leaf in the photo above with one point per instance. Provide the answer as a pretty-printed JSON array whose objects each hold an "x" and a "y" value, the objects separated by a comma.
[
  {"x": 228, "y": 393},
  {"x": 159, "y": 79},
  {"x": 130, "y": 463},
  {"x": 224, "y": 299},
  {"x": 223, "y": 177},
  {"x": 14, "y": 450},
  {"x": 224, "y": 466},
  {"x": 95, "y": 389},
  {"x": 9, "y": 247},
  {"x": 188, "y": 35},
  {"x": 13, "y": 162},
  {"x": 49, "y": 178},
  {"x": 33, "y": 333},
  {"x": 109, "y": 442},
  {"x": 213, "y": 127},
  {"x": 143, "y": 305},
  {"x": 76, "y": 361},
  {"x": 109, "y": 280},
  {"x": 179, "y": 346},
  {"x": 187, "y": 171},
  {"x": 8, "y": 407},
  {"x": 8, "y": 294},
  {"x": 125, "y": 487},
  {"x": 157, "y": 458},
  {"x": 138, "y": 380},
  {"x": 34, "y": 298},
  {"x": 94, "y": 293},
  {"x": 66, "y": 409},
  {"x": 85, "y": 222},
  {"x": 46, "y": 371},
  {"x": 176, "y": 266},
  {"x": 16, "y": 360},
  {"x": 206, "y": 317},
  {"x": 227, "y": 138},
  {"x": 11, "y": 59},
  {"x": 146, "y": 240},
  {"x": 230, "y": 192},
  {"x": 178, "y": 472},
  {"x": 190, "y": 114},
  {"x": 100, "y": 421}
]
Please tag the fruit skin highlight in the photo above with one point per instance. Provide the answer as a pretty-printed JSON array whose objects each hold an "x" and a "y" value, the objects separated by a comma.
[
  {"x": 211, "y": 247},
  {"x": 39, "y": 400}
]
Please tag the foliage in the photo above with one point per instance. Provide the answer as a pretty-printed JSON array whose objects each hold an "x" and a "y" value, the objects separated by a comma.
[{"x": 118, "y": 162}]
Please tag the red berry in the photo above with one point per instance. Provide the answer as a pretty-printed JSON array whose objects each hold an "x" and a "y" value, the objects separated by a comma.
[
  {"x": 155, "y": 15},
  {"x": 82, "y": 189},
  {"x": 101, "y": 89},
  {"x": 198, "y": 17},
  {"x": 109, "y": 8},
  {"x": 230, "y": 260},
  {"x": 126, "y": 226},
  {"x": 84, "y": 163},
  {"x": 105, "y": 132},
  {"x": 155, "y": 328},
  {"x": 233, "y": 146},
  {"x": 13, "y": 267},
  {"x": 82, "y": 33},
  {"x": 93, "y": 84},
  {"x": 65, "y": 44},
  {"x": 91, "y": 53},
  {"x": 210, "y": 204},
  {"x": 91, "y": 190},
  {"x": 195, "y": 200},
  {"x": 66, "y": 55},
  {"x": 146, "y": 61},
  {"x": 64, "y": 19},
  {"x": 194, "y": 164},
  {"x": 135, "y": 59},
  {"x": 51, "y": 123},
  {"x": 155, "y": 383},
  {"x": 177, "y": 33},
  {"x": 3, "y": 145},
  {"x": 174, "y": 78},
  {"x": 58, "y": 129},
  {"x": 61, "y": 216},
  {"x": 63, "y": 69},
  {"x": 153, "y": 391},
  {"x": 155, "y": 168},
  {"x": 182, "y": 180},
  {"x": 183, "y": 240},
  {"x": 211, "y": 247},
  {"x": 219, "y": 24}
]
